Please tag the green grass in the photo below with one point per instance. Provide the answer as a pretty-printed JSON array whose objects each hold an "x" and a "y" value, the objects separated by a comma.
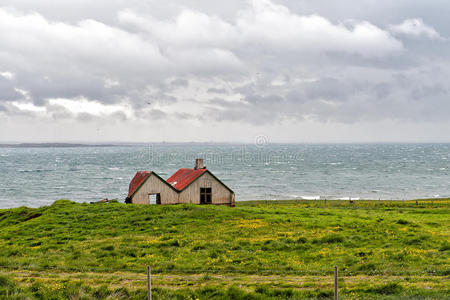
[{"x": 257, "y": 250}]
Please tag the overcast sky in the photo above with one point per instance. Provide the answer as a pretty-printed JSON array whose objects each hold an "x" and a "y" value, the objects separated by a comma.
[{"x": 289, "y": 70}]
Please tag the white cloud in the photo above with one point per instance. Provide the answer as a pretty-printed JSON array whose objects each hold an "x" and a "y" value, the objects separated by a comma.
[
  {"x": 110, "y": 83},
  {"x": 72, "y": 107},
  {"x": 263, "y": 25},
  {"x": 25, "y": 94},
  {"x": 188, "y": 28},
  {"x": 35, "y": 41},
  {"x": 7, "y": 75},
  {"x": 266, "y": 22},
  {"x": 416, "y": 28},
  {"x": 95, "y": 108},
  {"x": 28, "y": 107}
]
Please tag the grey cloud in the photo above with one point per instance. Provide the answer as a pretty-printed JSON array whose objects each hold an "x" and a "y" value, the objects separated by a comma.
[
  {"x": 217, "y": 90},
  {"x": 409, "y": 97},
  {"x": 118, "y": 116},
  {"x": 7, "y": 91},
  {"x": 328, "y": 88},
  {"x": 179, "y": 82},
  {"x": 185, "y": 116},
  {"x": 85, "y": 117},
  {"x": 152, "y": 115},
  {"x": 59, "y": 112},
  {"x": 346, "y": 65}
]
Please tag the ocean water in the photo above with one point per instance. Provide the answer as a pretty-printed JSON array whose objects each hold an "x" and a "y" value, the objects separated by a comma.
[{"x": 39, "y": 176}]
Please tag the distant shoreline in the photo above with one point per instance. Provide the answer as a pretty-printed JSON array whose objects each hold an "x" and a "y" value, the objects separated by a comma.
[
  {"x": 84, "y": 145},
  {"x": 53, "y": 145}
]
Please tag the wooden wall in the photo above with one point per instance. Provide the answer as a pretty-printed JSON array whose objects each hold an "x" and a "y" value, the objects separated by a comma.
[
  {"x": 220, "y": 194},
  {"x": 154, "y": 185}
]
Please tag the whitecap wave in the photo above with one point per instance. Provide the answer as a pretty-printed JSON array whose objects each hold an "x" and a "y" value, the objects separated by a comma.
[
  {"x": 349, "y": 198},
  {"x": 310, "y": 197}
]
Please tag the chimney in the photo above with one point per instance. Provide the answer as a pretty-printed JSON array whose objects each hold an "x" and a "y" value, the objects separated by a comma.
[{"x": 199, "y": 164}]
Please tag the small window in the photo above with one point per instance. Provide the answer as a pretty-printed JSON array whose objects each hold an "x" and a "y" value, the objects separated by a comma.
[{"x": 205, "y": 196}]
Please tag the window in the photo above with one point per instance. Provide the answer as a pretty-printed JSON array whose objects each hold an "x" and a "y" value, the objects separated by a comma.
[{"x": 205, "y": 196}]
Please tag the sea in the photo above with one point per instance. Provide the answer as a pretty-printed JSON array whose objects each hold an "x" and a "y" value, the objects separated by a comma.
[{"x": 37, "y": 176}]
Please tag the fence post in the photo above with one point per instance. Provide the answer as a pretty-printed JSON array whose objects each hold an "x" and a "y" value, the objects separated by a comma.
[
  {"x": 149, "y": 284},
  {"x": 335, "y": 283}
]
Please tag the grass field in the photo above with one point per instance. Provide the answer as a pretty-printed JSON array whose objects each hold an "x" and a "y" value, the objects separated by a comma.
[{"x": 257, "y": 250}]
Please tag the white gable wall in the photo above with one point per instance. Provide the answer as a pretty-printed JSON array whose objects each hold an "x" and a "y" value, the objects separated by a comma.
[
  {"x": 220, "y": 194},
  {"x": 154, "y": 185}
]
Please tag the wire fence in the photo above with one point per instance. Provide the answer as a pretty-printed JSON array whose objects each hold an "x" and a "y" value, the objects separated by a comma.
[
  {"x": 148, "y": 280},
  {"x": 431, "y": 270},
  {"x": 146, "y": 276}
]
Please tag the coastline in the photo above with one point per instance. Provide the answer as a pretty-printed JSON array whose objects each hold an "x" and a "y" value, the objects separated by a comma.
[{"x": 443, "y": 200}]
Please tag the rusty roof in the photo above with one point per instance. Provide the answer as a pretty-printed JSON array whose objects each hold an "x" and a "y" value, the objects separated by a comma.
[
  {"x": 137, "y": 181},
  {"x": 184, "y": 176}
]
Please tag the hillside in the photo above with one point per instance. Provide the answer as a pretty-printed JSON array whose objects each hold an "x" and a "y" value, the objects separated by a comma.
[{"x": 257, "y": 250}]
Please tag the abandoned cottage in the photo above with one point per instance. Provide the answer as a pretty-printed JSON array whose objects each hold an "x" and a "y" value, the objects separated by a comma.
[{"x": 197, "y": 185}]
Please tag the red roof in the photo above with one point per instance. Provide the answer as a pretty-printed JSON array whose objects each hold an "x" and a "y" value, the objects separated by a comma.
[
  {"x": 137, "y": 180},
  {"x": 183, "y": 177}
]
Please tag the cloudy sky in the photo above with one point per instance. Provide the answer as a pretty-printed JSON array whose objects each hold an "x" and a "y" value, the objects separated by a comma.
[{"x": 290, "y": 70}]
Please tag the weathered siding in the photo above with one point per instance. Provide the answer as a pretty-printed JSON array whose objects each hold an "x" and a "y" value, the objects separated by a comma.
[
  {"x": 155, "y": 185},
  {"x": 220, "y": 194}
]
